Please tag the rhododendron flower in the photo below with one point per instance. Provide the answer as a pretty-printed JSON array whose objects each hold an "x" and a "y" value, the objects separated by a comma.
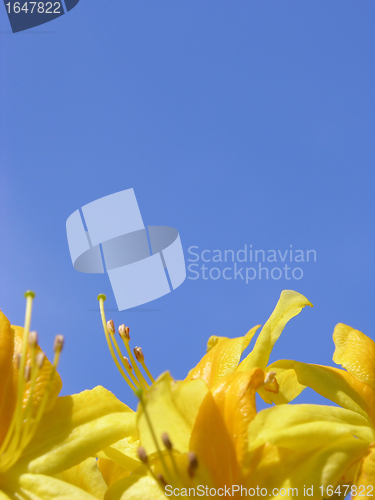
[{"x": 43, "y": 435}]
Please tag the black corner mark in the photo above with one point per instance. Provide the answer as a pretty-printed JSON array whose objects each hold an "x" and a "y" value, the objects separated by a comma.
[{"x": 25, "y": 14}]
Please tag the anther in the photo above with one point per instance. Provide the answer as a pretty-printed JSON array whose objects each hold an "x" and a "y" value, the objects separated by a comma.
[
  {"x": 39, "y": 360},
  {"x": 18, "y": 360},
  {"x": 101, "y": 296},
  {"x": 141, "y": 359},
  {"x": 193, "y": 463},
  {"x": 162, "y": 480},
  {"x": 142, "y": 455},
  {"x": 138, "y": 354},
  {"x": 111, "y": 327},
  {"x": 124, "y": 332},
  {"x": 270, "y": 377},
  {"x": 128, "y": 363},
  {"x": 33, "y": 339},
  {"x": 166, "y": 441},
  {"x": 58, "y": 344},
  {"x": 27, "y": 373},
  {"x": 29, "y": 293}
]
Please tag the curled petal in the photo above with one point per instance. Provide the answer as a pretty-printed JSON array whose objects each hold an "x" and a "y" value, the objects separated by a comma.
[
  {"x": 289, "y": 305},
  {"x": 235, "y": 398},
  {"x": 355, "y": 352},
  {"x": 222, "y": 357}
]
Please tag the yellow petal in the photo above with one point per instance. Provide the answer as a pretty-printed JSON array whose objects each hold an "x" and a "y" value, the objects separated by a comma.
[
  {"x": 297, "y": 445},
  {"x": 366, "y": 476},
  {"x": 111, "y": 471},
  {"x": 355, "y": 352},
  {"x": 222, "y": 357},
  {"x": 234, "y": 395},
  {"x": 136, "y": 487},
  {"x": 289, "y": 305},
  {"x": 279, "y": 467},
  {"x": 43, "y": 376},
  {"x": 40, "y": 487},
  {"x": 4, "y": 496},
  {"x": 306, "y": 427},
  {"x": 77, "y": 427},
  {"x": 7, "y": 392},
  {"x": 86, "y": 476},
  {"x": 331, "y": 383},
  {"x": 123, "y": 452},
  {"x": 211, "y": 441},
  {"x": 173, "y": 408}
]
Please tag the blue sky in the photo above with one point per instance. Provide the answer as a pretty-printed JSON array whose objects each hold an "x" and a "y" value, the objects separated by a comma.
[{"x": 238, "y": 123}]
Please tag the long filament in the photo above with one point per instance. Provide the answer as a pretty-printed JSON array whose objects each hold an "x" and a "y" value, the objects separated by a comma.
[{"x": 101, "y": 299}]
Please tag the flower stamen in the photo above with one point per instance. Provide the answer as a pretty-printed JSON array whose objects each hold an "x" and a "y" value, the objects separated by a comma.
[
  {"x": 193, "y": 463},
  {"x": 23, "y": 425},
  {"x": 162, "y": 480},
  {"x": 123, "y": 360},
  {"x": 168, "y": 444},
  {"x": 11, "y": 439},
  {"x": 31, "y": 425},
  {"x": 129, "y": 369},
  {"x": 142, "y": 455},
  {"x": 139, "y": 394},
  {"x": 124, "y": 334},
  {"x": 141, "y": 359},
  {"x": 101, "y": 299}
]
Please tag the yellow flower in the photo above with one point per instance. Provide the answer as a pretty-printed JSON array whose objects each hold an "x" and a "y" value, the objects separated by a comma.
[
  {"x": 353, "y": 389},
  {"x": 43, "y": 435},
  {"x": 196, "y": 436},
  {"x": 224, "y": 354},
  {"x": 204, "y": 431}
]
